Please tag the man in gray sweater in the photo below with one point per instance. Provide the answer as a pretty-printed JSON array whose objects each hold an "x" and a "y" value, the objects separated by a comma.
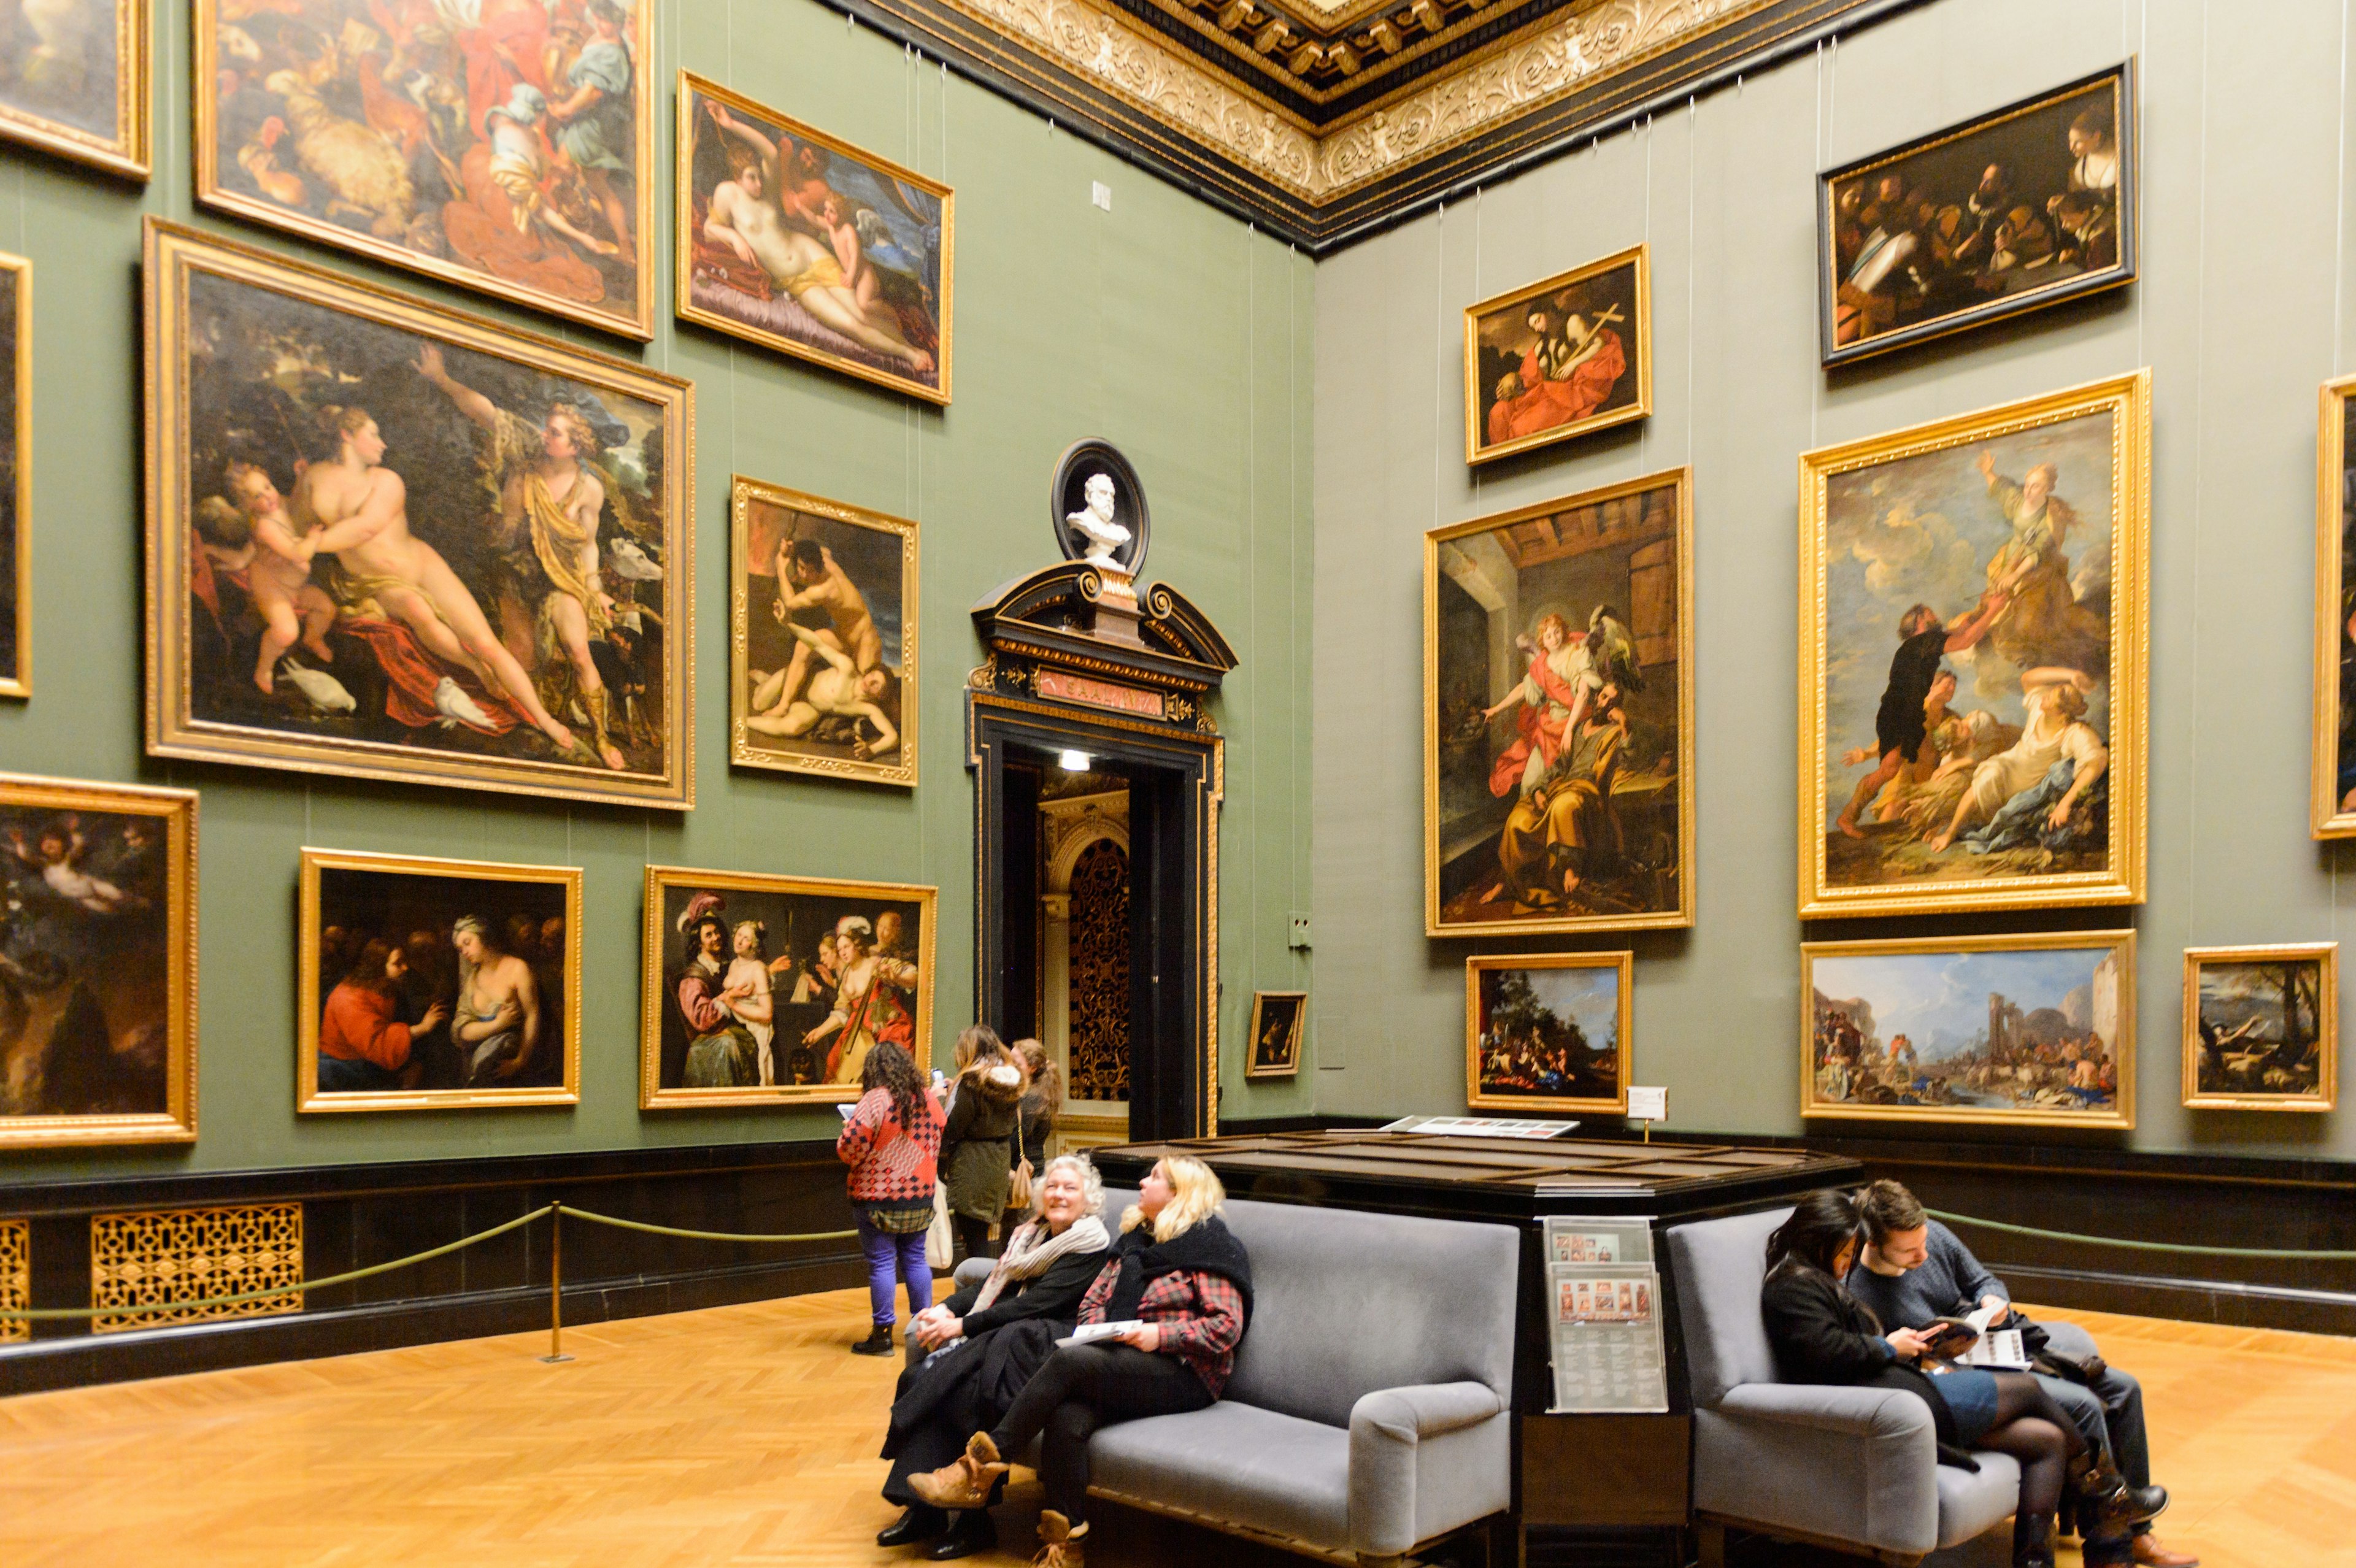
[{"x": 1912, "y": 1270}]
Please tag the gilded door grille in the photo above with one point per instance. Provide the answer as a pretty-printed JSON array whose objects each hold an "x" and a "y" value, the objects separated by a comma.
[
  {"x": 142, "y": 1265},
  {"x": 16, "y": 1278},
  {"x": 1098, "y": 967}
]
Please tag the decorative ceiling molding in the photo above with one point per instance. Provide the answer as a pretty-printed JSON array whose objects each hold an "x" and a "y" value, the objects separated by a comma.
[{"x": 1326, "y": 121}]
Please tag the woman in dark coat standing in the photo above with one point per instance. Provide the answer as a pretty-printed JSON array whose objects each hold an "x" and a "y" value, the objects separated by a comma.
[
  {"x": 975, "y": 1146},
  {"x": 1820, "y": 1334}
]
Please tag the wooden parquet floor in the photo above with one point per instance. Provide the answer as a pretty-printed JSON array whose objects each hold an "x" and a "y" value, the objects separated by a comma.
[{"x": 747, "y": 1435}]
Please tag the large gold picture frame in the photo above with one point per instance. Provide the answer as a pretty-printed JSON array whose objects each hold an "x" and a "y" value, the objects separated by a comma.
[
  {"x": 1527, "y": 386},
  {"x": 101, "y": 880},
  {"x": 1939, "y": 517},
  {"x": 428, "y": 911},
  {"x": 116, "y": 139},
  {"x": 512, "y": 159},
  {"x": 794, "y": 928},
  {"x": 1615, "y": 565},
  {"x": 298, "y": 366},
  {"x": 2284, "y": 1073},
  {"x": 1523, "y": 1034},
  {"x": 866, "y": 572},
  {"x": 2332, "y": 807},
  {"x": 802, "y": 303},
  {"x": 17, "y": 478},
  {"x": 2047, "y": 1041}
]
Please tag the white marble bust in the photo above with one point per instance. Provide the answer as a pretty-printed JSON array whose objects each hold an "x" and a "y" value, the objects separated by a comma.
[{"x": 1094, "y": 522}]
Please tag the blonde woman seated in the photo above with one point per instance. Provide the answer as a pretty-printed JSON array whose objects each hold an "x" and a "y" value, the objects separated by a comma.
[
  {"x": 1000, "y": 1331},
  {"x": 1181, "y": 1276}
]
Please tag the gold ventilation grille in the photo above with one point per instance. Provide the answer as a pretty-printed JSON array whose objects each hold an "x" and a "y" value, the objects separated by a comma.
[
  {"x": 143, "y": 1266},
  {"x": 16, "y": 1278}
]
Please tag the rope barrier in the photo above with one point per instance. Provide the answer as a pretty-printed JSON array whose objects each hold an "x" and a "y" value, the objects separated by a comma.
[
  {"x": 573, "y": 1214},
  {"x": 2145, "y": 1247}
]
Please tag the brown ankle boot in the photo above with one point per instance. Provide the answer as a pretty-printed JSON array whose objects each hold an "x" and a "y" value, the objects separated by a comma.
[
  {"x": 1062, "y": 1543},
  {"x": 964, "y": 1482}
]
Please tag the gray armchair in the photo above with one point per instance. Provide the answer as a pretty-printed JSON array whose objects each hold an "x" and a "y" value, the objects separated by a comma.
[{"x": 1855, "y": 1469}]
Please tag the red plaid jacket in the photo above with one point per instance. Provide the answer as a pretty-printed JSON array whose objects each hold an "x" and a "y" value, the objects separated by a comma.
[
  {"x": 1201, "y": 1317},
  {"x": 887, "y": 1167}
]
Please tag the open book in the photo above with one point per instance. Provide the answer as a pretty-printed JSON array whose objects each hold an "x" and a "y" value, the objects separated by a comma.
[
  {"x": 1089, "y": 1333},
  {"x": 1967, "y": 1341}
]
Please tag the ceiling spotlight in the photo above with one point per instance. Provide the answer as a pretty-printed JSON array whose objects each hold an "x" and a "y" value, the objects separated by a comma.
[{"x": 1073, "y": 762}]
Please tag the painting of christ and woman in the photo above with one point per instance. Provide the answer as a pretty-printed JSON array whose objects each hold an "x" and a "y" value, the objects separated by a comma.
[{"x": 1560, "y": 359}]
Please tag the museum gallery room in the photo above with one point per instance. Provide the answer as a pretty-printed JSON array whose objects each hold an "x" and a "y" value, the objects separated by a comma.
[{"x": 1498, "y": 783}]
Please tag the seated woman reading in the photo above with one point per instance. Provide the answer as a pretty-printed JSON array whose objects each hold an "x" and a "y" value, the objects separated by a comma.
[
  {"x": 1181, "y": 1276},
  {"x": 1820, "y": 1334},
  {"x": 999, "y": 1331}
]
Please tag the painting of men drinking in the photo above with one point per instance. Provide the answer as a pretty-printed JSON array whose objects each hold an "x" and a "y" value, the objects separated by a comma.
[{"x": 1560, "y": 359}]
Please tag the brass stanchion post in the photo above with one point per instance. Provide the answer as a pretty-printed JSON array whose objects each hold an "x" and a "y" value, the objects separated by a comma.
[{"x": 555, "y": 1286}]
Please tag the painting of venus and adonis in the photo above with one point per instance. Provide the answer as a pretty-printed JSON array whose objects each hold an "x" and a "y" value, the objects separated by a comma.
[
  {"x": 800, "y": 242},
  {"x": 1560, "y": 359},
  {"x": 2016, "y": 210},
  {"x": 2038, "y": 1030},
  {"x": 823, "y": 644},
  {"x": 74, "y": 79},
  {"x": 1558, "y": 715},
  {"x": 764, "y": 990},
  {"x": 15, "y": 477},
  {"x": 1548, "y": 1032},
  {"x": 401, "y": 543},
  {"x": 502, "y": 146},
  {"x": 2262, "y": 1028},
  {"x": 1972, "y": 661},
  {"x": 98, "y": 964},
  {"x": 434, "y": 984}
]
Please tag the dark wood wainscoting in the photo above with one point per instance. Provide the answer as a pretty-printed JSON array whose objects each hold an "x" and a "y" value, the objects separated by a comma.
[{"x": 357, "y": 1215}]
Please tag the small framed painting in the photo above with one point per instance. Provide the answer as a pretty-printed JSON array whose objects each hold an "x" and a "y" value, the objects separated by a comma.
[
  {"x": 2262, "y": 1028},
  {"x": 764, "y": 990},
  {"x": 434, "y": 985},
  {"x": 1276, "y": 1027},
  {"x": 98, "y": 971},
  {"x": 2333, "y": 807},
  {"x": 1560, "y": 359},
  {"x": 15, "y": 477},
  {"x": 823, "y": 636},
  {"x": 1549, "y": 1031},
  {"x": 2031, "y": 1030},
  {"x": 2018, "y": 209},
  {"x": 73, "y": 82}
]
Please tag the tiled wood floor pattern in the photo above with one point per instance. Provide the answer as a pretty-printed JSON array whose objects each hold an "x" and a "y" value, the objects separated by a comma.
[{"x": 746, "y": 1435}]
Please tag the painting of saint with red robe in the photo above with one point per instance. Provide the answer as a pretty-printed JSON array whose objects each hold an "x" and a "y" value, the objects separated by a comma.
[{"x": 1558, "y": 358}]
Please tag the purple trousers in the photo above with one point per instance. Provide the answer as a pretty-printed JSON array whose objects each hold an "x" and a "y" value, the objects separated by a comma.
[{"x": 890, "y": 1256}]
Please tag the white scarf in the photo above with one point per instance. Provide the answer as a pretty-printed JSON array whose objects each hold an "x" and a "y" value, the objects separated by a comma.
[{"x": 1031, "y": 1250}]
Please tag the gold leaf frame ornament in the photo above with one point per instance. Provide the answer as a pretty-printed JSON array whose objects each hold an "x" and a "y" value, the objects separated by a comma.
[
  {"x": 663, "y": 939},
  {"x": 176, "y": 258},
  {"x": 693, "y": 89},
  {"x": 176, "y": 811},
  {"x": 311, "y": 992},
  {"x": 2325, "y": 956},
  {"x": 2335, "y": 606},
  {"x": 747, "y": 750},
  {"x": 127, "y": 151},
  {"x": 1636, "y": 260},
  {"x": 2050, "y": 1111},
  {"x": 16, "y": 679},
  {"x": 2125, "y": 400},
  {"x": 1623, "y": 967},
  {"x": 1291, "y": 1066}
]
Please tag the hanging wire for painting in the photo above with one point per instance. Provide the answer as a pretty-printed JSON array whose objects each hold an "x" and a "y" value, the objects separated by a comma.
[
  {"x": 2199, "y": 417},
  {"x": 1440, "y": 317},
  {"x": 1693, "y": 257}
]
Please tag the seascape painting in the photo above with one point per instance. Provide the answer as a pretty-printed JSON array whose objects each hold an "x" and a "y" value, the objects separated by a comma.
[
  {"x": 73, "y": 81},
  {"x": 1560, "y": 358},
  {"x": 2262, "y": 1028},
  {"x": 796, "y": 240},
  {"x": 1972, "y": 661},
  {"x": 400, "y": 543},
  {"x": 2037, "y": 1030},
  {"x": 1548, "y": 1032},
  {"x": 1558, "y": 715},
  {"x": 772, "y": 990},
  {"x": 502, "y": 146}
]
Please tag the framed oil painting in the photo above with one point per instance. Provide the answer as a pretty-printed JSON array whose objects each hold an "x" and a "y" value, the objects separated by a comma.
[
  {"x": 392, "y": 541},
  {"x": 1276, "y": 1019},
  {"x": 821, "y": 636},
  {"x": 772, "y": 990},
  {"x": 799, "y": 241},
  {"x": 1560, "y": 359},
  {"x": 505, "y": 146},
  {"x": 2262, "y": 1028},
  {"x": 15, "y": 477},
  {"x": 2020, "y": 208},
  {"x": 1549, "y": 1031},
  {"x": 2333, "y": 808},
  {"x": 1558, "y": 723},
  {"x": 437, "y": 984},
  {"x": 98, "y": 964},
  {"x": 73, "y": 81},
  {"x": 2032, "y": 1031},
  {"x": 1972, "y": 658}
]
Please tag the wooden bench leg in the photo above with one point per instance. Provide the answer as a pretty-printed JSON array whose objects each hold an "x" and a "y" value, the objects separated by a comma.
[{"x": 1710, "y": 1536}]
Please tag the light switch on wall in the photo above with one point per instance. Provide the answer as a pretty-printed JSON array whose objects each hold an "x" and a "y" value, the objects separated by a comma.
[{"x": 1300, "y": 930}]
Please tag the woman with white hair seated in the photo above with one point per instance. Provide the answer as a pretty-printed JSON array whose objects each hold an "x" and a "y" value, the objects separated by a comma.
[{"x": 986, "y": 1340}]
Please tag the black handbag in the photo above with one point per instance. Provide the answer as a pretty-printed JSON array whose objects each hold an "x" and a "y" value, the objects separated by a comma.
[{"x": 2083, "y": 1370}]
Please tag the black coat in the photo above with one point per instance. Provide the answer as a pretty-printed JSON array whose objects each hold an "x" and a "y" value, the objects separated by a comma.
[
  {"x": 1820, "y": 1334},
  {"x": 1054, "y": 1294},
  {"x": 1005, "y": 1342}
]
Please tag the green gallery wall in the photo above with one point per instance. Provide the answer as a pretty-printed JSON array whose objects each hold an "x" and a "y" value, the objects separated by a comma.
[
  {"x": 1173, "y": 331},
  {"x": 2241, "y": 313}
]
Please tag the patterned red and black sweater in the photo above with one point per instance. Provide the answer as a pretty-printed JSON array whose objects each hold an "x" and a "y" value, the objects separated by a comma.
[
  {"x": 891, "y": 1166},
  {"x": 1200, "y": 1314}
]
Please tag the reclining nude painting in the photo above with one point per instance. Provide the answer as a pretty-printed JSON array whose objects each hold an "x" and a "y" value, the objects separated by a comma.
[{"x": 1972, "y": 661}]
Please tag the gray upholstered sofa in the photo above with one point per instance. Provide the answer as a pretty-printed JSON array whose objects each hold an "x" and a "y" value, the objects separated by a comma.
[
  {"x": 1368, "y": 1413},
  {"x": 1852, "y": 1467}
]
